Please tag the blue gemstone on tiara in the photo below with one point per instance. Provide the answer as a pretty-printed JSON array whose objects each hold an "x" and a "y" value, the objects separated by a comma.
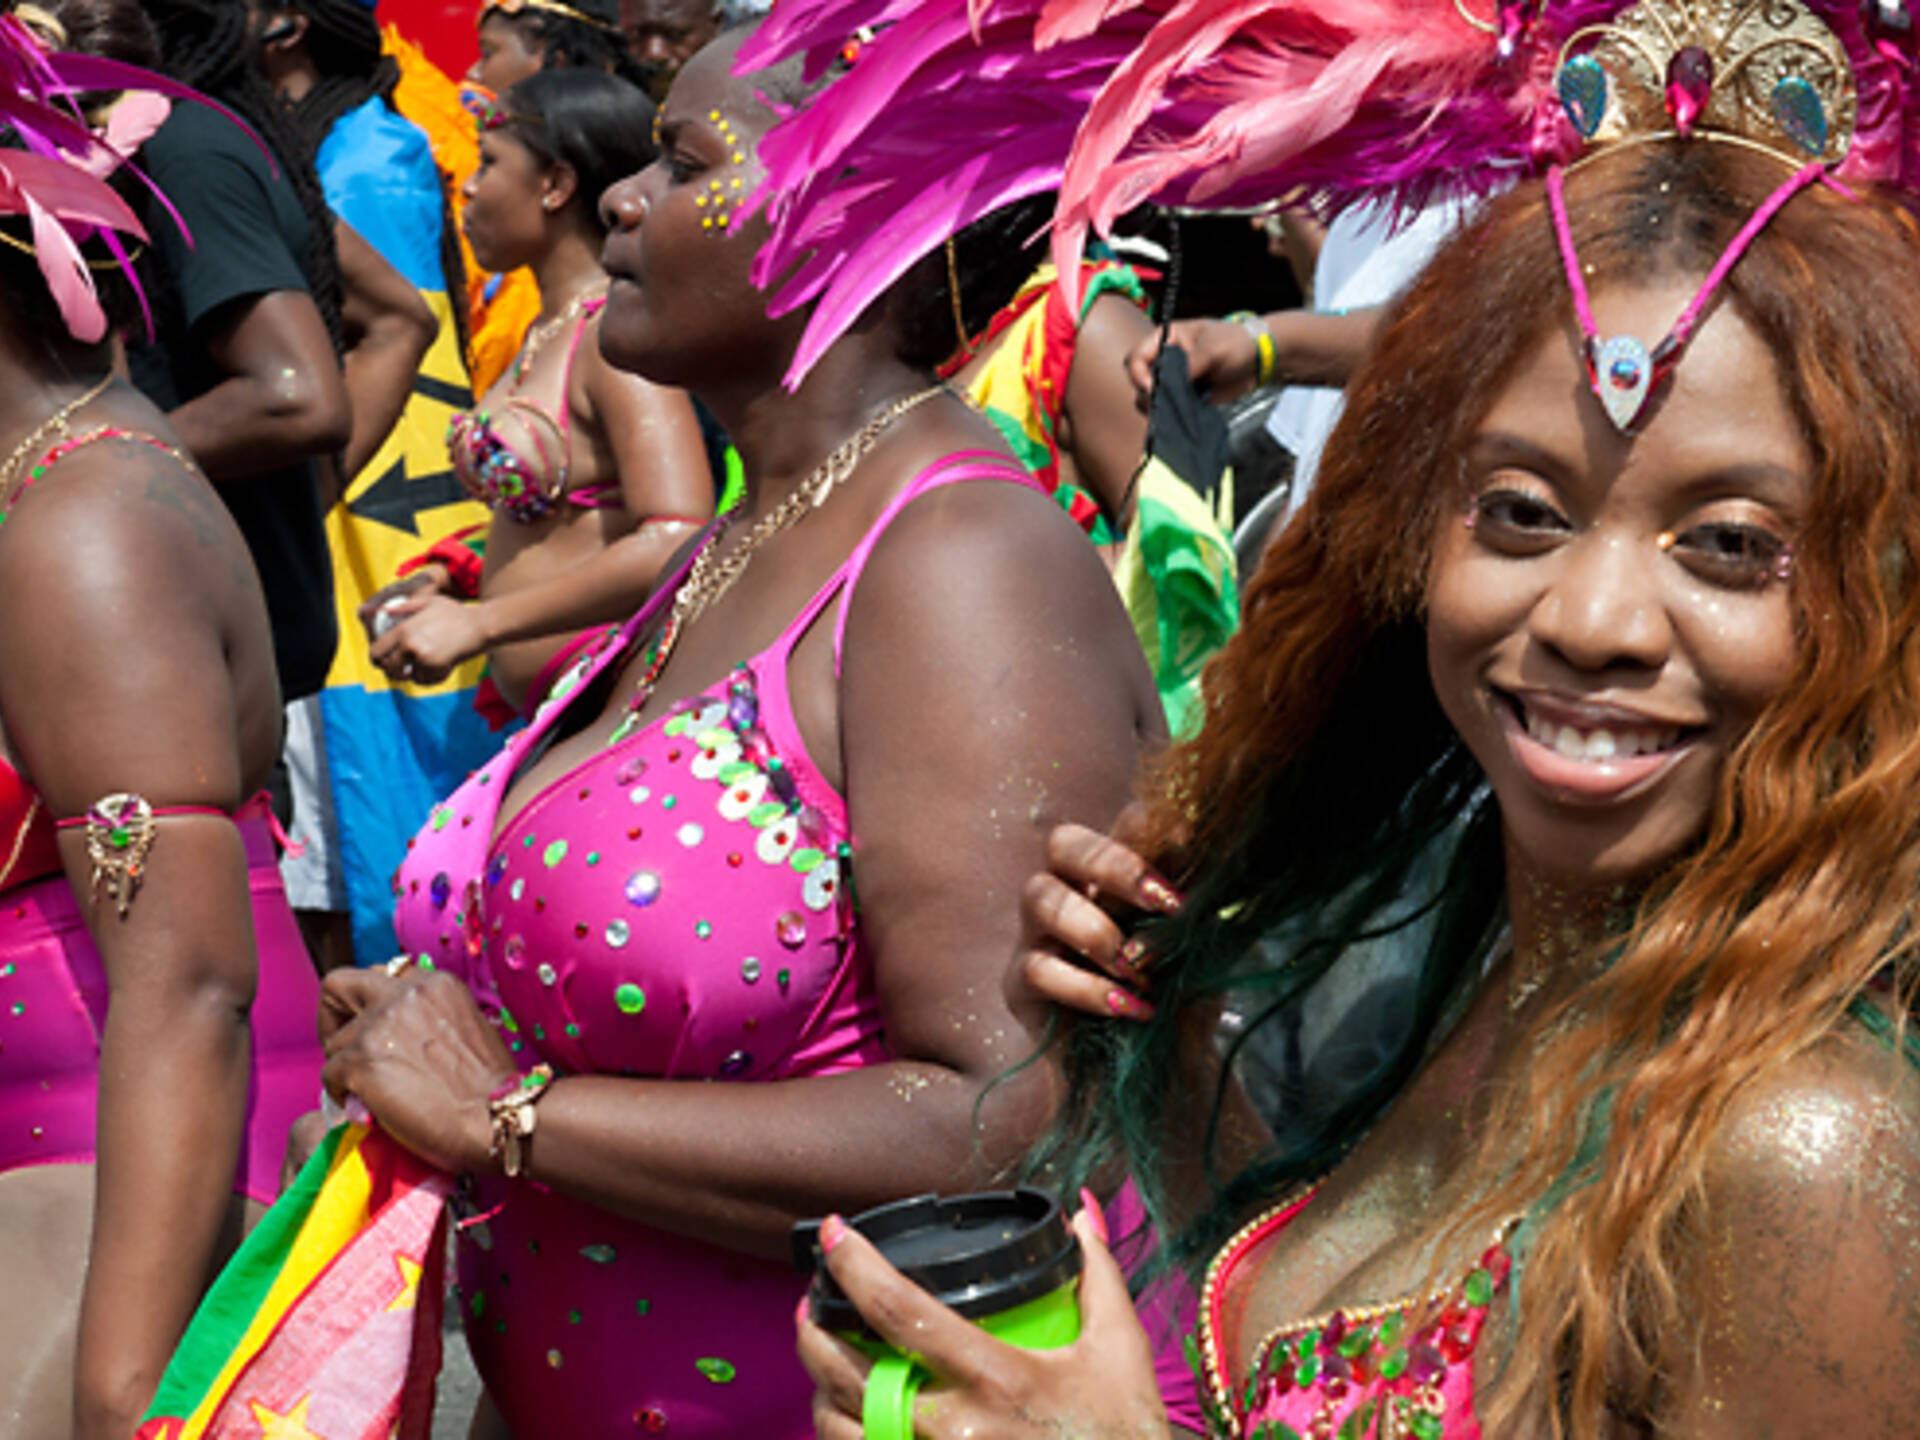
[
  {"x": 1802, "y": 118},
  {"x": 1583, "y": 94}
]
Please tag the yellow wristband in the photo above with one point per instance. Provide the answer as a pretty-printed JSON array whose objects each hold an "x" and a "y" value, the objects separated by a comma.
[{"x": 1262, "y": 344}]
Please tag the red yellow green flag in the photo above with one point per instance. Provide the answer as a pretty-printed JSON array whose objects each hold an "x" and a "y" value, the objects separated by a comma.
[{"x": 325, "y": 1325}]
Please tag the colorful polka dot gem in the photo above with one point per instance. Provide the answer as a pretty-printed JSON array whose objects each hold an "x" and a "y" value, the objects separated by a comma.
[
  {"x": 791, "y": 929},
  {"x": 630, "y": 999},
  {"x": 716, "y": 1370},
  {"x": 750, "y": 970},
  {"x": 618, "y": 933},
  {"x": 703, "y": 929},
  {"x": 546, "y": 973},
  {"x": 600, "y": 1254},
  {"x": 643, "y": 888},
  {"x": 554, "y": 853}
]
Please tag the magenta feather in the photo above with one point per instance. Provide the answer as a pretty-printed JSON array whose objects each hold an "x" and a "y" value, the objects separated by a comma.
[
  {"x": 959, "y": 106},
  {"x": 59, "y": 178}
]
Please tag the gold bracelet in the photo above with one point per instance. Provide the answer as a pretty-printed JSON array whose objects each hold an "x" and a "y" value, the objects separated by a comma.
[{"x": 510, "y": 1108}]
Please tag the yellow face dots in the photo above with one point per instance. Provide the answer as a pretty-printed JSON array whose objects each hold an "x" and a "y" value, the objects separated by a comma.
[{"x": 721, "y": 197}]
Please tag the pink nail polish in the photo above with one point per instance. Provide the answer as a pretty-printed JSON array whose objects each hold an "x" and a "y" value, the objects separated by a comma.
[
  {"x": 1132, "y": 955},
  {"x": 803, "y": 1312},
  {"x": 1127, "y": 1005},
  {"x": 1096, "y": 1217},
  {"x": 832, "y": 1231},
  {"x": 1156, "y": 894}
]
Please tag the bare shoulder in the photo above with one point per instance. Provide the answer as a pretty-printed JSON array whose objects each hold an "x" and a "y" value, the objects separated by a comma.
[
  {"x": 1832, "y": 1127},
  {"x": 1805, "y": 1262},
  {"x": 121, "y": 519}
]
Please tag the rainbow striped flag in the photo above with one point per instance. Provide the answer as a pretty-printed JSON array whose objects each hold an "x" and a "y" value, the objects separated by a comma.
[{"x": 325, "y": 1325}]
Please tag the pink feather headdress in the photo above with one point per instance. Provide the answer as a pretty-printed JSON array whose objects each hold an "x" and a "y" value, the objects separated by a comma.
[
  {"x": 56, "y": 176},
  {"x": 957, "y": 107}
]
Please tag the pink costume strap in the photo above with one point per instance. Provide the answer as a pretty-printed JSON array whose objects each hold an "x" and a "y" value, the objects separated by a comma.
[
  {"x": 955, "y": 469},
  {"x": 587, "y": 312},
  {"x": 160, "y": 812}
]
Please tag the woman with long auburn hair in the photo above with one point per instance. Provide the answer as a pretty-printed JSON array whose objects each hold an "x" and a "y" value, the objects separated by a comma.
[{"x": 1597, "y": 691}]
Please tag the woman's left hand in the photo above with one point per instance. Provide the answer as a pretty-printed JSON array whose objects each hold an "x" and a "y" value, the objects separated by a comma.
[
  {"x": 420, "y": 1056},
  {"x": 1101, "y": 1387},
  {"x": 432, "y": 636}
]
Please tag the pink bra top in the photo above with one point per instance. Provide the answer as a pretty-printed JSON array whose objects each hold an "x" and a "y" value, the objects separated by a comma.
[
  {"x": 677, "y": 904},
  {"x": 522, "y": 487},
  {"x": 1360, "y": 1371}
]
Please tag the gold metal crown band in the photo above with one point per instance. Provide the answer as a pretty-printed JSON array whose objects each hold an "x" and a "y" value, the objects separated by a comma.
[{"x": 1767, "y": 73}]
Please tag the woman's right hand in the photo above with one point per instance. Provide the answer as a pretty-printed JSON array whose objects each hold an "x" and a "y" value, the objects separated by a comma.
[
  {"x": 430, "y": 579},
  {"x": 1100, "y": 1387},
  {"x": 1075, "y": 911},
  {"x": 1222, "y": 360}
]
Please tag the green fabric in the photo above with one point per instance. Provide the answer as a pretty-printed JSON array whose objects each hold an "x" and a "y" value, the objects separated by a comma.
[
  {"x": 241, "y": 1287},
  {"x": 1176, "y": 575},
  {"x": 735, "y": 488}
]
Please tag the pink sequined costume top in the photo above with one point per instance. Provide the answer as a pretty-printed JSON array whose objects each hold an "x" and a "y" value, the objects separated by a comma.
[
  {"x": 53, "y": 1003},
  {"x": 1397, "y": 1371},
  {"x": 677, "y": 906}
]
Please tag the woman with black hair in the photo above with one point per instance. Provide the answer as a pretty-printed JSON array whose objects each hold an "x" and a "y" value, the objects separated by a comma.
[
  {"x": 153, "y": 1048},
  {"x": 899, "y": 638},
  {"x": 594, "y": 477},
  {"x": 519, "y": 38}
]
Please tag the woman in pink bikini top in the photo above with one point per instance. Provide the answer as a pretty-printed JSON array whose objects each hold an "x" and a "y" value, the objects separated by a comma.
[
  {"x": 594, "y": 477},
  {"x": 1550, "y": 846},
  {"x": 745, "y": 886}
]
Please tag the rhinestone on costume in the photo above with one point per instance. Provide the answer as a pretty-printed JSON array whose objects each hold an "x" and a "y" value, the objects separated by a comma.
[
  {"x": 546, "y": 973},
  {"x": 618, "y": 933},
  {"x": 600, "y": 1254},
  {"x": 517, "y": 889},
  {"x": 703, "y": 929},
  {"x": 1689, "y": 86},
  {"x": 652, "y": 1420},
  {"x": 554, "y": 853},
  {"x": 554, "y": 1359},
  {"x": 720, "y": 1372},
  {"x": 512, "y": 951},
  {"x": 496, "y": 868},
  {"x": 1800, "y": 115},
  {"x": 736, "y": 1064},
  {"x": 440, "y": 890},
  {"x": 630, "y": 998},
  {"x": 1624, "y": 373},
  {"x": 750, "y": 970},
  {"x": 1583, "y": 94},
  {"x": 791, "y": 928},
  {"x": 643, "y": 888},
  {"x": 639, "y": 794},
  {"x": 690, "y": 835},
  {"x": 631, "y": 771}
]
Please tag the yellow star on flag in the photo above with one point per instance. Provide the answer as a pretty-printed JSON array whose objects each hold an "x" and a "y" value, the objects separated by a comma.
[
  {"x": 290, "y": 1426},
  {"x": 409, "y": 1295}
]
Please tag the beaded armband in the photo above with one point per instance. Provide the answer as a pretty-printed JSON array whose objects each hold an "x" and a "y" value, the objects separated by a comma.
[{"x": 511, "y": 1110}]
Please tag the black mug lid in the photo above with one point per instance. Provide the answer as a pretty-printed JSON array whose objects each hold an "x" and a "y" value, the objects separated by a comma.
[{"x": 981, "y": 1254}]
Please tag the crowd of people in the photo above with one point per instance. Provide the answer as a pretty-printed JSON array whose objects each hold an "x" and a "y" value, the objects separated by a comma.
[{"x": 674, "y": 624}]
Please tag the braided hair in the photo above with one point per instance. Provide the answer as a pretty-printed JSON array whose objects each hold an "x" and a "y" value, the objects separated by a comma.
[
  {"x": 210, "y": 45},
  {"x": 343, "y": 41},
  {"x": 565, "y": 43}
]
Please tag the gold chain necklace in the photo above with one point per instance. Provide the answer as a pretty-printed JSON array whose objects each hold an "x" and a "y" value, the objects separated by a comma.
[
  {"x": 711, "y": 575},
  {"x": 54, "y": 423},
  {"x": 539, "y": 335}
]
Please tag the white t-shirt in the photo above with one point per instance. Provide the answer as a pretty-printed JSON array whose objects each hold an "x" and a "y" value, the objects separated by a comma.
[{"x": 1364, "y": 262}]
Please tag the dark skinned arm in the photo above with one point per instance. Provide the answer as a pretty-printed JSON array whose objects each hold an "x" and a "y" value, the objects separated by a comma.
[
  {"x": 389, "y": 330},
  {"x": 115, "y": 587},
  {"x": 655, "y": 441},
  {"x": 991, "y": 687},
  {"x": 1102, "y": 425},
  {"x": 284, "y": 398},
  {"x": 1310, "y": 347}
]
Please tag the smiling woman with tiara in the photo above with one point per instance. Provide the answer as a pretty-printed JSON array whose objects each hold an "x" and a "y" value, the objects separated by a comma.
[{"x": 1591, "y": 669}]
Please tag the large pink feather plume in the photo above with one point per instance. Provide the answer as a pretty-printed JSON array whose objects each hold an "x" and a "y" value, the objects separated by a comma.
[
  {"x": 960, "y": 106},
  {"x": 58, "y": 177}
]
